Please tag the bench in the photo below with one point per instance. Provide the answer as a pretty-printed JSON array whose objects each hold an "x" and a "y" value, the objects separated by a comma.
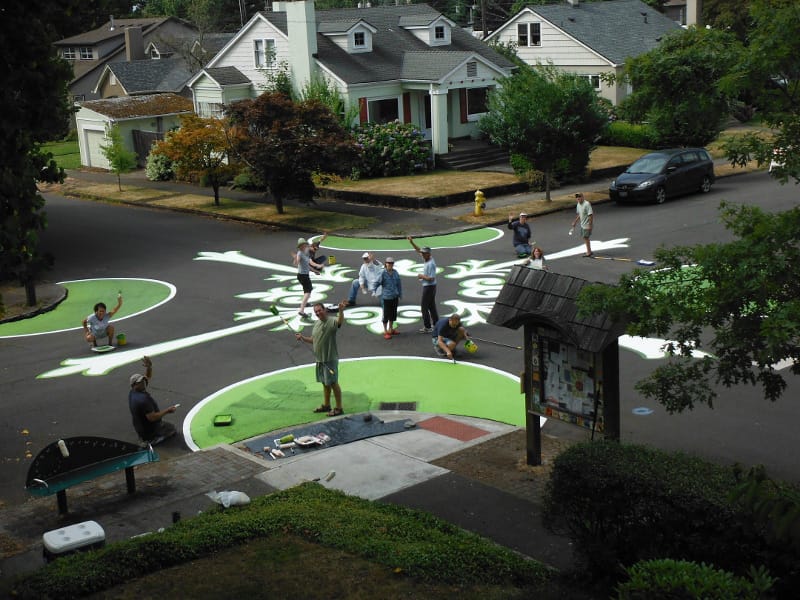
[{"x": 86, "y": 458}]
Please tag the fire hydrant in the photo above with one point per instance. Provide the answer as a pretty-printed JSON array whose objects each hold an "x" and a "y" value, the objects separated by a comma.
[{"x": 480, "y": 203}]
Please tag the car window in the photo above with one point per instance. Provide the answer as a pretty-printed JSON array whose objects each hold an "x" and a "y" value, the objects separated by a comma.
[
  {"x": 689, "y": 157},
  {"x": 648, "y": 164},
  {"x": 703, "y": 155},
  {"x": 675, "y": 161}
]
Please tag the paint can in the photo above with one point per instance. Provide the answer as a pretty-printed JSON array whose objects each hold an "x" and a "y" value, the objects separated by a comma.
[
  {"x": 331, "y": 259},
  {"x": 121, "y": 341},
  {"x": 470, "y": 346}
]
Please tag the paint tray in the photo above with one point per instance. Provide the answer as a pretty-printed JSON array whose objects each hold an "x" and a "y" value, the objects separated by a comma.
[{"x": 223, "y": 420}]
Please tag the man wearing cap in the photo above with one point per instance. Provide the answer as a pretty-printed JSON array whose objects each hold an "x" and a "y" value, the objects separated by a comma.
[
  {"x": 428, "y": 278},
  {"x": 522, "y": 234},
  {"x": 369, "y": 277},
  {"x": 147, "y": 418},
  {"x": 302, "y": 260}
]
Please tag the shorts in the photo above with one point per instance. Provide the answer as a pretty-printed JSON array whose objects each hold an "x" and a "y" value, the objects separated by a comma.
[
  {"x": 305, "y": 281},
  {"x": 585, "y": 233},
  {"x": 328, "y": 372},
  {"x": 447, "y": 341},
  {"x": 390, "y": 309}
]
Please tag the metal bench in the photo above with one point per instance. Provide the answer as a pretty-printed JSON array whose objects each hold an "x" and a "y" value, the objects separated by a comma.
[{"x": 88, "y": 458}]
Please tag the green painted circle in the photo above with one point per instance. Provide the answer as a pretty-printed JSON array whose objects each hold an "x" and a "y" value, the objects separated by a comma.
[
  {"x": 460, "y": 239},
  {"x": 138, "y": 295},
  {"x": 285, "y": 398}
]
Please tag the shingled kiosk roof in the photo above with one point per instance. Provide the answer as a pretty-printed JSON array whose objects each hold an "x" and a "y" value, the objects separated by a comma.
[{"x": 547, "y": 298}]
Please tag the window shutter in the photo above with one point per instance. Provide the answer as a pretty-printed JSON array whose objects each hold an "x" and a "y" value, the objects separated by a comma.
[
  {"x": 407, "y": 107},
  {"x": 462, "y": 97},
  {"x": 362, "y": 110}
]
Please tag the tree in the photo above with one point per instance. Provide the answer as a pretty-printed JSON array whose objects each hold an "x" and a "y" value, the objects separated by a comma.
[
  {"x": 320, "y": 89},
  {"x": 676, "y": 86},
  {"x": 284, "y": 142},
  {"x": 742, "y": 296},
  {"x": 770, "y": 72},
  {"x": 120, "y": 159},
  {"x": 199, "y": 148},
  {"x": 550, "y": 117},
  {"x": 35, "y": 110}
]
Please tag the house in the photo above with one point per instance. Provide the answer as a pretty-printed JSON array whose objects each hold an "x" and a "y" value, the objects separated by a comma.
[
  {"x": 141, "y": 120},
  {"x": 587, "y": 38},
  {"x": 89, "y": 52},
  {"x": 406, "y": 62}
]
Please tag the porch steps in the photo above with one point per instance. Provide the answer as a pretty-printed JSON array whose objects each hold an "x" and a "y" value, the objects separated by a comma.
[{"x": 470, "y": 159}]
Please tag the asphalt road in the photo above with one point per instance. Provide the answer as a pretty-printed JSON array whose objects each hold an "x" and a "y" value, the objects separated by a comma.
[{"x": 92, "y": 240}]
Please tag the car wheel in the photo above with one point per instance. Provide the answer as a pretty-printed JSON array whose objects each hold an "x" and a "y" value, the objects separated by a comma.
[
  {"x": 705, "y": 187},
  {"x": 661, "y": 195}
]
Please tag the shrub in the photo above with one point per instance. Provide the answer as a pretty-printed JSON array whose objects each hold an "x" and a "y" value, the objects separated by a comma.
[
  {"x": 671, "y": 579},
  {"x": 247, "y": 180},
  {"x": 622, "y": 133},
  {"x": 624, "y": 503},
  {"x": 391, "y": 149},
  {"x": 159, "y": 167},
  {"x": 525, "y": 171}
]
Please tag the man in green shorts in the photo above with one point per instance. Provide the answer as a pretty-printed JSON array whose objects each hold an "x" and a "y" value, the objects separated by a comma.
[{"x": 323, "y": 340}]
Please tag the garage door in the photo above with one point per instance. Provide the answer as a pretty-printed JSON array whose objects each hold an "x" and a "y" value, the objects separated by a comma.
[{"x": 95, "y": 139}]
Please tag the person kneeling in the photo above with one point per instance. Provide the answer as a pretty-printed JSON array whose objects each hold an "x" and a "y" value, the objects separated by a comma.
[{"x": 447, "y": 333}]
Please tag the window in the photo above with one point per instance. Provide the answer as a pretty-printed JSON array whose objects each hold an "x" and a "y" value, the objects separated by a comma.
[
  {"x": 383, "y": 111},
  {"x": 210, "y": 109},
  {"x": 594, "y": 80},
  {"x": 86, "y": 53},
  {"x": 477, "y": 102},
  {"x": 264, "y": 54},
  {"x": 529, "y": 34},
  {"x": 472, "y": 69},
  {"x": 438, "y": 32},
  {"x": 359, "y": 39},
  {"x": 112, "y": 79},
  {"x": 69, "y": 53}
]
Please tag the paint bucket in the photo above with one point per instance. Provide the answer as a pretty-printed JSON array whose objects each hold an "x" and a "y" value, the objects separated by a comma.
[
  {"x": 331, "y": 259},
  {"x": 121, "y": 341},
  {"x": 471, "y": 346}
]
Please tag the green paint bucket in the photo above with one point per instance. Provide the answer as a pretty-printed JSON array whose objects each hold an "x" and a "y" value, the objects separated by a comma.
[{"x": 121, "y": 341}]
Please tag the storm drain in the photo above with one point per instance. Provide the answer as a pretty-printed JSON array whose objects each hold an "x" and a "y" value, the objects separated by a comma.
[{"x": 398, "y": 406}]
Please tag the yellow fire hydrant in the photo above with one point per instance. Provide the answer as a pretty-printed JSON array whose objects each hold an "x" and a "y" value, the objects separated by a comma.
[{"x": 480, "y": 203}]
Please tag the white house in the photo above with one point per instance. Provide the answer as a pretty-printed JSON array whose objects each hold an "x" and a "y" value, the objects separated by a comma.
[
  {"x": 141, "y": 119},
  {"x": 406, "y": 62},
  {"x": 587, "y": 38}
]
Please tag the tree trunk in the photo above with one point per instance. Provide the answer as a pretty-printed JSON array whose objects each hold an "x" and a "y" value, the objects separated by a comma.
[
  {"x": 215, "y": 185},
  {"x": 30, "y": 293},
  {"x": 119, "y": 181},
  {"x": 547, "y": 177}
]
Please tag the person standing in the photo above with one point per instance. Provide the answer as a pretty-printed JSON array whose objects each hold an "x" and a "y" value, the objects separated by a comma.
[
  {"x": 302, "y": 260},
  {"x": 585, "y": 215},
  {"x": 323, "y": 341},
  {"x": 147, "y": 418},
  {"x": 391, "y": 292},
  {"x": 98, "y": 324},
  {"x": 428, "y": 278},
  {"x": 369, "y": 277},
  {"x": 522, "y": 234}
]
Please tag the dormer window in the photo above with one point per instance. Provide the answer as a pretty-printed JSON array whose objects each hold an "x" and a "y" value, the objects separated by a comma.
[
  {"x": 86, "y": 53},
  {"x": 69, "y": 53},
  {"x": 438, "y": 33},
  {"x": 359, "y": 39}
]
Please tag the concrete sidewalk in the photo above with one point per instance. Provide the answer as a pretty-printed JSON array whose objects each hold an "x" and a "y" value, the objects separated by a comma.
[{"x": 397, "y": 468}]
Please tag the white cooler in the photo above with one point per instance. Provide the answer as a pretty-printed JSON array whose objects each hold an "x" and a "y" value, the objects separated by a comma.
[{"x": 75, "y": 538}]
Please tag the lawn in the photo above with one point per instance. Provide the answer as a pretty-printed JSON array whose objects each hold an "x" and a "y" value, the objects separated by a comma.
[{"x": 66, "y": 153}]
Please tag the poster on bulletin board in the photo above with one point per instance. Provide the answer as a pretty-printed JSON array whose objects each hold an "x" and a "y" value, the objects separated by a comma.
[{"x": 566, "y": 382}]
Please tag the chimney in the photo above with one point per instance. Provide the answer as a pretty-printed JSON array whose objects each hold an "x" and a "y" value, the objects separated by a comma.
[
  {"x": 573, "y": 3},
  {"x": 301, "y": 25},
  {"x": 111, "y": 27},
  {"x": 134, "y": 44},
  {"x": 694, "y": 12}
]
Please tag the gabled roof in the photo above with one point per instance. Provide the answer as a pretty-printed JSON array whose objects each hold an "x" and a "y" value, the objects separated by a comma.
[
  {"x": 615, "y": 29},
  {"x": 547, "y": 298},
  {"x": 432, "y": 65},
  {"x": 390, "y": 43},
  {"x": 148, "y": 76},
  {"x": 342, "y": 26},
  {"x": 106, "y": 31},
  {"x": 133, "y": 107},
  {"x": 222, "y": 75}
]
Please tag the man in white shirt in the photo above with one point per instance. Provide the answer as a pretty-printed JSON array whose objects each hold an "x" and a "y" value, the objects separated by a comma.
[
  {"x": 585, "y": 215},
  {"x": 369, "y": 277}
]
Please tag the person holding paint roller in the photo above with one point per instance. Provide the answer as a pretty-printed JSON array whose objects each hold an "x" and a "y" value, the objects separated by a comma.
[
  {"x": 147, "y": 417},
  {"x": 97, "y": 325},
  {"x": 303, "y": 261},
  {"x": 447, "y": 333},
  {"x": 323, "y": 341}
]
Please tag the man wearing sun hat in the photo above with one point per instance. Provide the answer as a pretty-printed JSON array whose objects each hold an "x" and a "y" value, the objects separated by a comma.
[
  {"x": 302, "y": 260},
  {"x": 369, "y": 278},
  {"x": 147, "y": 418},
  {"x": 427, "y": 304},
  {"x": 522, "y": 234}
]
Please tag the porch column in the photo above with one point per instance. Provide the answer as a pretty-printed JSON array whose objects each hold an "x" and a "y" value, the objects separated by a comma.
[{"x": 439, "y": 120}]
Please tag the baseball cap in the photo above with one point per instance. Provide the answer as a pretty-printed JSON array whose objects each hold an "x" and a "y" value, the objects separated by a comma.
[
  {"x": 136, "y": 378},
  {"x": 365, "y": 255},
  {"x": 301, "y": 241},
  {"x": 426, "y": 249},
  {"x": 389, "y": 259},
  {"x": 523, "y": 214}
]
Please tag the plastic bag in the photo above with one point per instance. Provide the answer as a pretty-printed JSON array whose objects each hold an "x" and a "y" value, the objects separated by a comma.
[{"x": 229, "y": 498}]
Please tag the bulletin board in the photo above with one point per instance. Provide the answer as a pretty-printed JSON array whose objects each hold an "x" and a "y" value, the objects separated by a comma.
[{"x": 566, "y": 383}]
